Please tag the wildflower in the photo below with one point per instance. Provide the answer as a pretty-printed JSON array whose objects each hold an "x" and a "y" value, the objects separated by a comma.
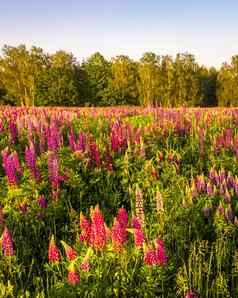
[
  {"x": 85, "y": 228},
  {"x": 23, "y": 208},
  {"x": 191, "y": 294},
  {"x": 98, "y": 236},
  {"x": 150, "y": 256},
  {"x": 139, "y": 237},
  {"x": 41, "y": 201},
  {"x": 7, "y": 243},
  {"x": 229, "y": 214},
  {"x": 70, "y": 252},
  {"x": 139, "y": 204},
  {"x": 30, "y": 158},
  {"x": 85, "y": 265},
  {"x": 53, "y": 251},
  {"x": 122, "y": 217},
  {"x": 73, "y": 277},
  {"x": 135, "y": 223},
  {"x": 119, "y": 235},
  {"x": 161, "y": 256}
]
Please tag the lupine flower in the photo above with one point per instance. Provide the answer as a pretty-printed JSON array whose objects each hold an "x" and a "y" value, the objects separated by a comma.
[
  {"x": 30, "y": 158},
  {"x": 70, "y": 252},
  {"x": 122, "y": 217},
  {"x": 85, "y": 228},
  {"x": 191, "y": 294},
  {"x": 98, "y": 235},
  {"x": 9, "y": 168},
  {"x": 85, "y": 265},
  {"x": 139, "y": 237},
  {"x": 95, "y": 155},
  {"x": 229, "y": 214},
  {"x": 135, "y": 223},
  {"x": 73, "y": 276},
  {"x": 23, "y": 208},
  {"x": 227, "y": 196},
  {"x": 53, "y": 251},
  {"x": 7, "y": 243},
  {"x": 13, "y": 131},
  {"x": 42, "y": 202},
  {"x": 119, "y": 235},
  {"x": 139, "y": 204},
  {"x": 150, "y": 256},
  {"x": 161, "y": 256},
  {"x": 16, "y": 162}
]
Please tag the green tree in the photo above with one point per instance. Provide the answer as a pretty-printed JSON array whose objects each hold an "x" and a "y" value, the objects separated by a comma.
[
  {"x": 20, "y": 70},
  {"x": 97, "y": 73},
  {"x": 122, "y": 85}
]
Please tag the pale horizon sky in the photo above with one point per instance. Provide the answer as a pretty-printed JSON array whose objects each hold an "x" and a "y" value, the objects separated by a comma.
[{"x": 207, "y": 29}]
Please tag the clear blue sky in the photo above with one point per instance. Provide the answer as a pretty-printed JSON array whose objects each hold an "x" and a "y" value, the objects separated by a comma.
[{"x": 206, "y": 28}]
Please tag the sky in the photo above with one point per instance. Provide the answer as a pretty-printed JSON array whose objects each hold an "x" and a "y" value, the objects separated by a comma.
[{"x": 205, "y": 28}]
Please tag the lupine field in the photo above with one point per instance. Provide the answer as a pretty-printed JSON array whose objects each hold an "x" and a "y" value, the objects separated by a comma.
[{"x": 118, "y": 202}]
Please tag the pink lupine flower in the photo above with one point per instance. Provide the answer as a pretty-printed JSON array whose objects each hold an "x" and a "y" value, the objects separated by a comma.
[
  {"x": 191, "y": 294},
  {"x": 23, "y": 208},
  {"x": 16, "y": 163},
  {"x": 139, "y": 237},
  {"x": 53, "y": 251},
  {"x": 98, "y": 235},
  {"x": 95, "y": 155},
  {"x": 73, "y": 276},
  {"x": 13, "y": 131},
  {"x": 42, "y": 202},
  {"x": 119, "y": 235},
  {"x": 85, "y": 265},
  {"x": 161, "y": 253},
  {"x": 122, "y": 217},
  {"x": 150, "y": 256},
  {"x": 70, "y": 252},
  {"x": 9, "y": 168},
  {"x": 30, "y": 158},
  {"x": 7, "y": 243},
  {"x": 85, "y": 228},
  {"x": 135, "y": 223}
]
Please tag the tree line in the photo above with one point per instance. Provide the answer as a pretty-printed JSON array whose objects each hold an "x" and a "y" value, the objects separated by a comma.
[{"x": 32, "y": 77}]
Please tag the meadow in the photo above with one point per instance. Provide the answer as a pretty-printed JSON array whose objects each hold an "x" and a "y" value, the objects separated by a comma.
[{"x": 118, "y": 202}]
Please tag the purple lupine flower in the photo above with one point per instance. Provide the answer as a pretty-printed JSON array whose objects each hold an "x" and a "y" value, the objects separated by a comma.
[
  {"x": 230, "y": 181},
  {"x": 30, "y": 158},
  {"x": 81, "y": 142},
  {"x": 191, "y": 294},
  {"x": 229, "y": 214},
  {"x": 227, "y": 196},
  {"x": 23, "y": 208},
  {"x": 95, "y": 155},
  {"x": 210, "y": 189},
  {"x": 211, "y": 174},
  {"x": 42, "y": 202},
  {"x": 16, "y": 162},
  {"x": 13, "y": 131},
  {"x": 9, "y": 168}
]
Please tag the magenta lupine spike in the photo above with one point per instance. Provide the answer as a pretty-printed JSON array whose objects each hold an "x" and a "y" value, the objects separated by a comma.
[
  {"x": 23, "y": 208},
  {"x": 81, "y": 142},
  {"x": 53, "y": 251},
  {"x": 135, "y": 223},
  {"x": 42, "y": 201},
  {"x": 9, "y": 168},
  {"x": 191, "y": 294},
  {"x": 139, "y": 237},
  {"x": 122, "y": 217},
  {"x": 150, "y": 256},
  {"x": 161, "y": 256},
  {"x": 16, "y": 162},
  {"x": 13, "y": 131},
  {"x": 53, "y": 170},
  {"x": 72, "y": 143},
  {"x": 95, "y": 155},
  {"x": 85, "y": 265},
  {"x": 85, "y": 227},
  {"x": 30, "y": 158},
  {"x": 73, "y": 276},
  {"x": 98, "y": 236},
  {"x": 71, "y": 253},
  {"x": 118, "y": 235},
  {"x": 7, "y": 243}
]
